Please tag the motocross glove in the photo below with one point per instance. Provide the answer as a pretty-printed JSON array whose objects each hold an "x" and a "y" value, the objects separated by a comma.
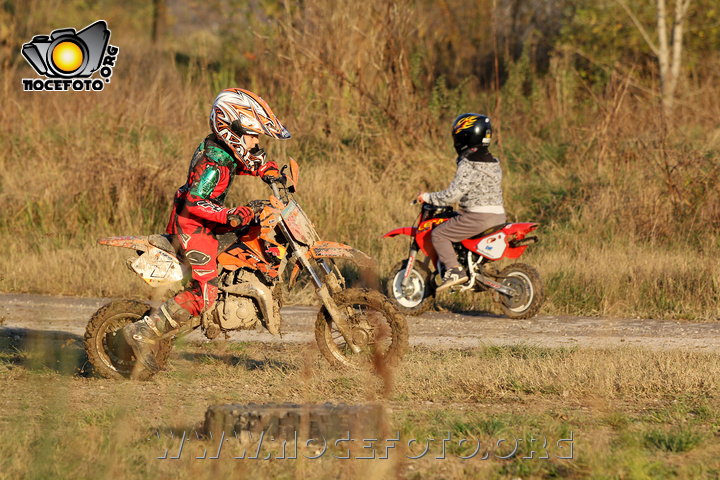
[
  {"x": 269, "y": 172},
  {"x": 240, "y": 216}
]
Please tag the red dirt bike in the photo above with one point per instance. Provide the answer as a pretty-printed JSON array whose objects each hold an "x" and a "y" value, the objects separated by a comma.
[
  {"x": 517, "y": 288},
  {"x": 353, "y": 324}
]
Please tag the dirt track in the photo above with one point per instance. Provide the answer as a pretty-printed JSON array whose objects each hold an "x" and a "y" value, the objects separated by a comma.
[{"x": 21, "y": 314}]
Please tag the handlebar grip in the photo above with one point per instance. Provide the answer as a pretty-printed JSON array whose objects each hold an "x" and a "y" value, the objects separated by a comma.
[{"x": 234, "y": 221}]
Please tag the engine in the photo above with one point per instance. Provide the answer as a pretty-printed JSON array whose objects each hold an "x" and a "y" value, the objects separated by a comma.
[
  {"x": 237, "y": 313},
  {"x": 244, "y": 301}
]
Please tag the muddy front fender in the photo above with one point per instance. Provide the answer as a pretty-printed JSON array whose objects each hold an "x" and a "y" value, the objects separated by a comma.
[
  {"x": 340, "y": 250},
  {"x": 366, "y": 264}
]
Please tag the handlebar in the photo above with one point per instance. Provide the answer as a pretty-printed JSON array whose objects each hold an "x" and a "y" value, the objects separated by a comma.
[
  {"x": 255, "y": 205},
  {"x": 275, "y": 189},
  {"x": 435, "y": 208}
]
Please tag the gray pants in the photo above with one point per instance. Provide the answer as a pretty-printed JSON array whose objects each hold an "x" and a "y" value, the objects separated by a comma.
[{"x": 465, "y": 225}]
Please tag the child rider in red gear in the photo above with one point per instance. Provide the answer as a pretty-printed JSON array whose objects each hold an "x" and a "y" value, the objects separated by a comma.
[{"x": 237, "y": 118}]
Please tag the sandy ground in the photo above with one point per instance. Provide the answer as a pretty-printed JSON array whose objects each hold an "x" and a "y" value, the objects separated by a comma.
[{"x": 21, "y": 314}]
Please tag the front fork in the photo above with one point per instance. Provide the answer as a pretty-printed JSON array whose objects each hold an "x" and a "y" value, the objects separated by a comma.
[
  {"x": 325, "y": 281},
  {"x": 324, "y": 291},
  {"x": 409, "y": 266},
  {"x": 327, "y": 284}
]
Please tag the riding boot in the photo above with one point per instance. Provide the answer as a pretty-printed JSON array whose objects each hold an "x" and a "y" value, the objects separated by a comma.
[
  {"x": 144, "y": 335},
  {"x": 453, "y": 276}
]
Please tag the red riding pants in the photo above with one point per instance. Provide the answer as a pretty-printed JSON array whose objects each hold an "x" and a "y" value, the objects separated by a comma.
[{"x": 199, "y": 248}]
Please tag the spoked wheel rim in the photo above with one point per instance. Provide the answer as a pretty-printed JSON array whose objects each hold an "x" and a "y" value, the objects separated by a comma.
[
  {"x": 376, "y": 326},
  {"x": 112, "y": 348},
  {"x": 522, "y": 284},
  {"x": 370, "y": 331},
  {"x": 413, "y": 294}
]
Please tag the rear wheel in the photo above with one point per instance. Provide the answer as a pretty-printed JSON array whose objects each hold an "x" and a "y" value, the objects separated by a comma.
[
  {"x": 378, "y": 328},
  {"x": 107, "y": 350},
  {"x": 530, "y": 295},
  {"x": 418, "y": 295}
]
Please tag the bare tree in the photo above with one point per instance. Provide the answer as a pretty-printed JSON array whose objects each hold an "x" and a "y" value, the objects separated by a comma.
[
  {"x": 158, "y": 20},
  {"x": 668, "y": 48}
]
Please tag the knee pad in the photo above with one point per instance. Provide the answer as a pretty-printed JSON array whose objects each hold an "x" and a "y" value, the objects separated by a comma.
[{"x": 196, "y": 257}]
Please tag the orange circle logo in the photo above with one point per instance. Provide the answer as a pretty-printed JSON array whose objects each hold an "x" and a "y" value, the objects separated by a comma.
[{"x": 67, "y": 56}]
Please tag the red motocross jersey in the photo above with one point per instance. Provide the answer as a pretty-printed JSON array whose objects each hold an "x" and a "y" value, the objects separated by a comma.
[{"x": 200, "y": 202}]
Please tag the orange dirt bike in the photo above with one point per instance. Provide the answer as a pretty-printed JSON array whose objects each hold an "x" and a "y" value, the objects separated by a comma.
[
  {"x": 354, "y": 326},
  {"x": 517, "y": 288}
]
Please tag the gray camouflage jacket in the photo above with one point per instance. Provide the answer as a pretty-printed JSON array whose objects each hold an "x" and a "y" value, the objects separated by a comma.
[{"x": 476, "y": 186}]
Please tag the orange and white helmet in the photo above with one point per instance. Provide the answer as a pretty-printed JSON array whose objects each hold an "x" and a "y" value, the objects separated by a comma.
[{"x": 236, "y": 112}]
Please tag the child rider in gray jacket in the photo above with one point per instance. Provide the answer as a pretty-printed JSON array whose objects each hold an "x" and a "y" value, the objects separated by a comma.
[{"x": 477, "y": 188}]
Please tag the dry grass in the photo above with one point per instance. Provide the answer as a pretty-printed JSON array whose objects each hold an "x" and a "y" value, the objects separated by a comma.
[
  {"x": 629, "y": 205},
  {"x": 625, "y": 278},
  {"x": 632, "y": 412}
]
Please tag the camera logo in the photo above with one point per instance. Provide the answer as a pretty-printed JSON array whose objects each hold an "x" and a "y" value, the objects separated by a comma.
[{"x": 68, "y": 59}]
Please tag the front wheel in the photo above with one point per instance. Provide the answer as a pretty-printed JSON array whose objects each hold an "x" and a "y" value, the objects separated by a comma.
[
  {"x": 107, "y": 350},
  {"x": 378, "y": 328},
  {"x": 419, "y": 293},
  {"x": 530, "y": 295}
]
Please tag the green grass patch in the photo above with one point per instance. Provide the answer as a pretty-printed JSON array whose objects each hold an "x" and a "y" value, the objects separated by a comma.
[{"x": 676, "y": 440}]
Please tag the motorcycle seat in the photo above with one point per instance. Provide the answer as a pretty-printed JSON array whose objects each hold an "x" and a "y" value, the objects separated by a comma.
[
  {"x": 489, "y": 231},
  {"x": 165, "y": 241}
]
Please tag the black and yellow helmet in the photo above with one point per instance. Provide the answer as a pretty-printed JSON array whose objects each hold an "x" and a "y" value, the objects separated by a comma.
[{"x": 471, "y": 130}]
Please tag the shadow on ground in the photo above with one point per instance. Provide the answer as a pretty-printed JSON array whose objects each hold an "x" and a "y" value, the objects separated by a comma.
[
  {"x": 238, "y": 360},
  {"x": 478, "y": 313},
  {"x": 453, "y": 309},
  {"x": 35, "y": 350},
  {"x": 64, "y": 353}
]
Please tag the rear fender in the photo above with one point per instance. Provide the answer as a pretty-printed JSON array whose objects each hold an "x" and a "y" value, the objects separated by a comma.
[
  {"x": 154, "y": 265},
  {"x": 135, "y": 243},
  {"x": 515, "y": 232},
  {"x": 520, "y": 229},
  {"x": 501, "y": 243}
]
